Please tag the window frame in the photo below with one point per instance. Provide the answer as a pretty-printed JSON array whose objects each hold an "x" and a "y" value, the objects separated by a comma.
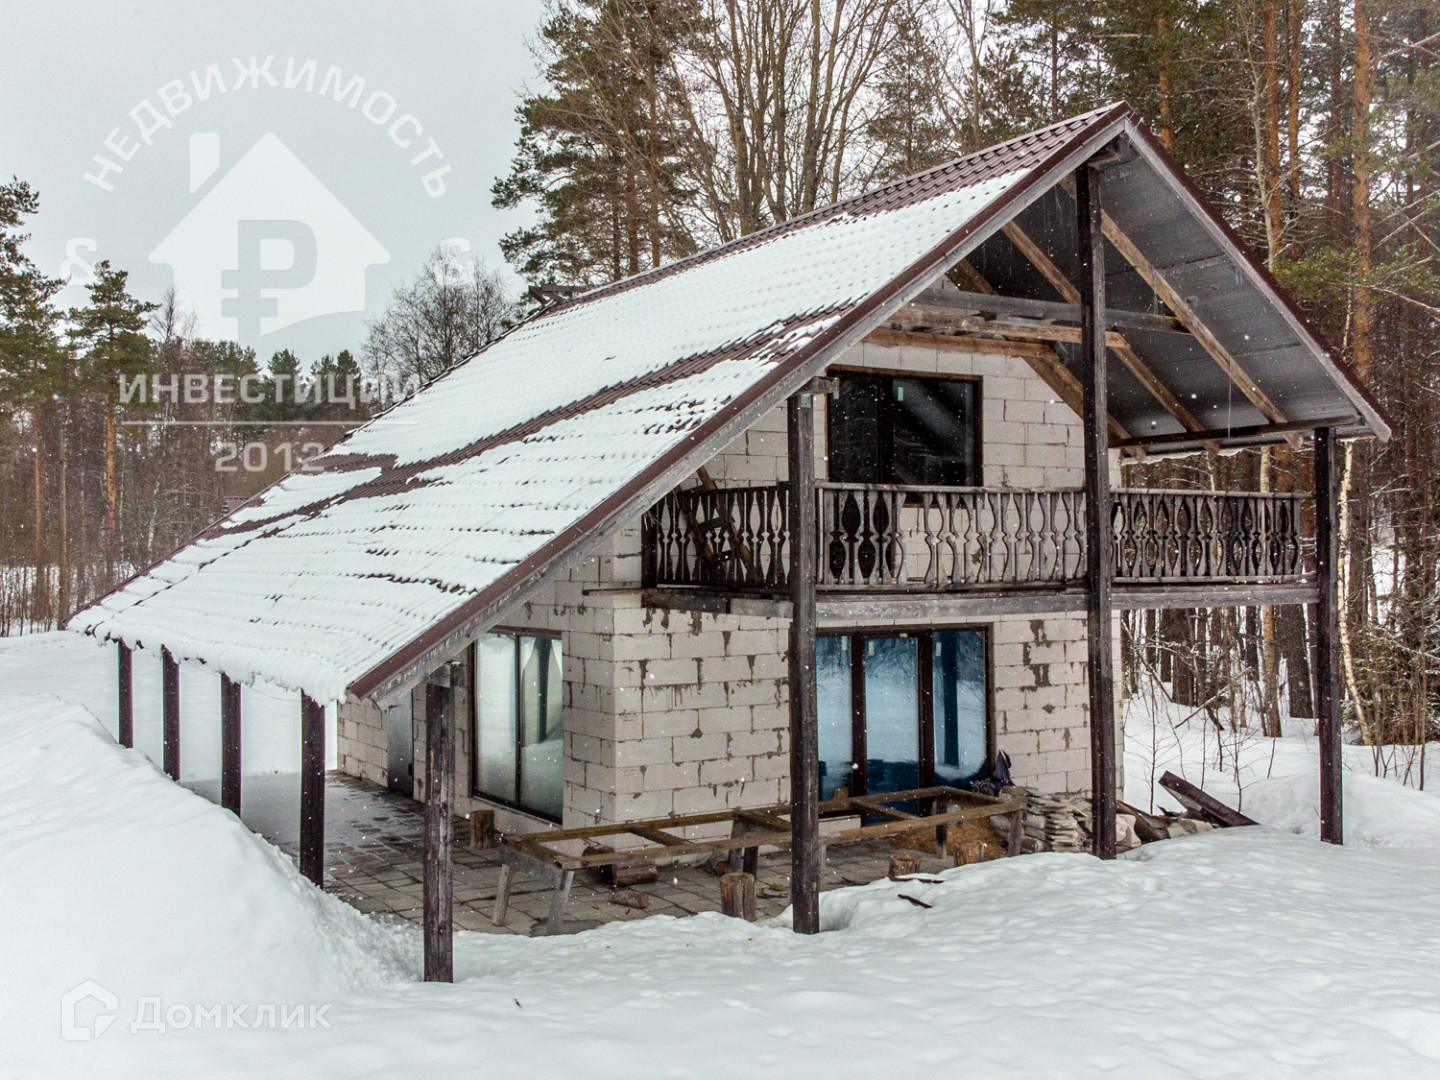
[
  {"x": 925, "y": 676},
  {"x": 515, "y": 633},
  {"x": 887, "y": 419}
]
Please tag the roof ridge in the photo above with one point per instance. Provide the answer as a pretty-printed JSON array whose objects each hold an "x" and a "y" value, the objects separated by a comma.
[{"x": 740, "y": 243}]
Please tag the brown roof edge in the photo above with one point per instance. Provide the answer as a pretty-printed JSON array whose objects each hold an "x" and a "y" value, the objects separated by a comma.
[
  {"x": 409, "y": 662},
  {"x": 1380, "y": 423}
]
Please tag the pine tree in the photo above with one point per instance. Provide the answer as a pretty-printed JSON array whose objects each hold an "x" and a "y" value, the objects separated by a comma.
[
  {"x": 32, "y": 356},
  {"x": 109, "y": 333},
  {"x": 598, "y": 153}
]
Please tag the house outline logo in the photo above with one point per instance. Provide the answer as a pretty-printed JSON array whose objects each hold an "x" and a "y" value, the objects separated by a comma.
[
  {"x": 267, "y": 245},
  {"x": 73, "y": 1031}
]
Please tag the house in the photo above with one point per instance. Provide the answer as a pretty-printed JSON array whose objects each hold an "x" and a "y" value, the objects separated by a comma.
[
  {"x": 221, "y": 250},
  {"x": 832, "y": 505}
]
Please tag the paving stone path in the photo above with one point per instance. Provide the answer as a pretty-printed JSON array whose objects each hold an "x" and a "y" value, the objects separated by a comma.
[{"x": 373, "y": 862}]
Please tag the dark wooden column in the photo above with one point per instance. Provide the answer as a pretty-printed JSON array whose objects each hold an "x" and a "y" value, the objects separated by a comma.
[
  {"x": 805, "y": 859},
  {"x": 229, "y": 743},
  {"x": 1327, "y": 635},
  {"x": 170, "y": 711},
  {"x": 439, "y": 871},
  {"x": 1099, "y": 561},
  {"x": 312, "y": 789},
  {"x": 125, "y": 697}
]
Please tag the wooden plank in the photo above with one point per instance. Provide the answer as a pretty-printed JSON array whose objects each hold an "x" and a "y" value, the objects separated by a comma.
[
  {"x": 438, "y": 885},
  {"x": 1099, "y": 537},
  {"x": 762, "y": 819},
  {"x": 125, "y": 697},
  {"x": 658, "y": 836},
  {"x": 713, "y": 603},
  {"x": 312, "y": 789},
  {"x": 1158, "y": 390},
  {"x": 805, "y": 855},
  {"x": 170, "y": 713},
  {"x": 874, "y": 806},
  {"x": 229, "y": 744},
  {"x": 1249, "y": 431},
  {"x": 1327, "y": 637},
  {"x": 1197, "y": 801}
]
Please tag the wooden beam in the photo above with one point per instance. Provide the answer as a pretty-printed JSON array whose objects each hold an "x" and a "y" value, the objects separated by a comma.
[
  {"x": 312, "y": 789},
  {"x": 1099, "y": 539},
  {"x": 1043, "y": 360},
  {"x": 715, "y": 603},
  {"x": 1327, "y": 636},
  {"x": 805, "y": 868},
  {"x": 1251, "y": 431},
  {"x": 1201, "y": 803},
  {"x": 840, "y": 610},
  {"x": 125, "y": 697},
  {"x": 229, "y": 744},
  {"x": 170, "y": 713},
  {"x": 957, "y": 302},
  {"x": 439, "y": 871},
  {"x": 1172, "y": 299},
  {"x": 1131, "y": 359}
]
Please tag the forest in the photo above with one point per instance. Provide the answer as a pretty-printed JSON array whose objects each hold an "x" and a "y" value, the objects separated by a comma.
[{"x": 656, "y": 128}]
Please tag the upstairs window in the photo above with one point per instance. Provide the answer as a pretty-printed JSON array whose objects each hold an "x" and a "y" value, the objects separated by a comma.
[{"x": 900, "y": 429}]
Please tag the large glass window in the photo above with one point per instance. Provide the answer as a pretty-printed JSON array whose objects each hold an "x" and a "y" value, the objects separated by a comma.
[
  {"x": 912, "y": 707},
  {"x": 519, "y": 739},
  {"x": 960, "y": 705},
  {"x": 835, "y": 715},
  {"x": 893, "y": 429}
]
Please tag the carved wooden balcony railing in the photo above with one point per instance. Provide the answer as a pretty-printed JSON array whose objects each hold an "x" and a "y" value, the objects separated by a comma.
[{"x": 891, "y": 538}]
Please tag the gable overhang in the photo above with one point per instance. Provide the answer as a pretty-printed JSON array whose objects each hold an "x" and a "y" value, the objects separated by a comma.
[
  {"x": 410, "y": 664},
  {"x": 1372, "y": 419}
]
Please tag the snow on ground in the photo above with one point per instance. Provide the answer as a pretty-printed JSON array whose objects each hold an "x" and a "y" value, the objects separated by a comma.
[{"x": 1246, "y": 953}]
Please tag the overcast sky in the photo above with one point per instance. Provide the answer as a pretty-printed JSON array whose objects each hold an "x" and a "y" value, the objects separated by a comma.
[{"x": 283, "y": 216}]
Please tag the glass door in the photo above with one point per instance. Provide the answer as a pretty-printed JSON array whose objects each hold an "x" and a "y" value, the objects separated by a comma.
[
  {"x": 901, "y": 711},
  {"x": 892, "y": 713}
]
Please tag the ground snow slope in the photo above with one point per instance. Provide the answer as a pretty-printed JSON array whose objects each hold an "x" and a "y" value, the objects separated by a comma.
[
  {"x": 110, "y": 872},
  {"x": 1250, "y": 953}
]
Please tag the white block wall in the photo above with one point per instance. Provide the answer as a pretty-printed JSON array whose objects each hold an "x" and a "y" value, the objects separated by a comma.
[{"x": 675, "y": 713}]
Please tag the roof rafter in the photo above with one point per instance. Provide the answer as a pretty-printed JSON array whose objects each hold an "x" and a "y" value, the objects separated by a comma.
[
  {"x": 1172, "y": 299},
  {"x": 1122, "y": 348}
]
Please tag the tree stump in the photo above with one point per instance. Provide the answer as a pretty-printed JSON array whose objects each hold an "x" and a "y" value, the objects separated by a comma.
[
  {"x": 737, "y": 896},
  {"x": 903, "y": 863}
]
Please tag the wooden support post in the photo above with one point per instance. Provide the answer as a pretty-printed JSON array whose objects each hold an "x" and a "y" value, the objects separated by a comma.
[
  {"x": 312, "y": 789},
  {"x": 229, "y": 744},
  {"x": 1327, "y": 635},
  {"x": 805, "y": 855},
  {"x": 439, "y": 872},
  {"x": 482, "y": 830},
  {"x": 125, "y": 698},
  {"x": 1099, "y": 566},
  {"x": 170, "y": 712}
]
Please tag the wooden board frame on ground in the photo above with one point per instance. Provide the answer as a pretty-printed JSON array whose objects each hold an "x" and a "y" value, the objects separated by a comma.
[{"x": 537, "y": 854}]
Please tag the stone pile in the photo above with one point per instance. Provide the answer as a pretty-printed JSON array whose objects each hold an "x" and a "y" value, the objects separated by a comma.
[{"x": 1055, "y": 821}]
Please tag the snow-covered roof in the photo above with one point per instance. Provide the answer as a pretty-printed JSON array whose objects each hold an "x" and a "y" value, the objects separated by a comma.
[{"x": 432, "y": 519}]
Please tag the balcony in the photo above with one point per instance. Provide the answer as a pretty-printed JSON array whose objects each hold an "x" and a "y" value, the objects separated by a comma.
[{"x": 874, "y": 540}]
